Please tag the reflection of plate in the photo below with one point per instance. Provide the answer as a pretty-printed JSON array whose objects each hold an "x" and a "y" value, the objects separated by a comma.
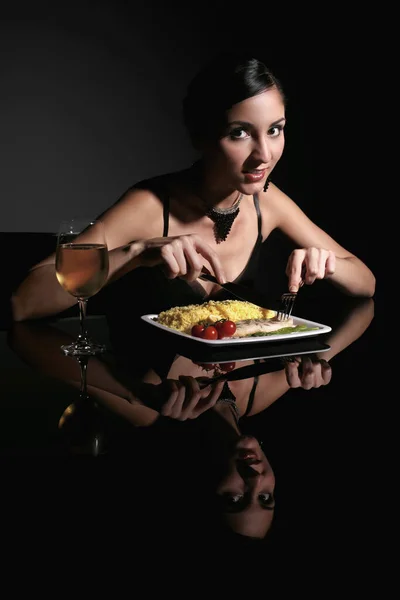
[
  {"x": 320, "y": 328},
  {"x": 227, "y": 354}
]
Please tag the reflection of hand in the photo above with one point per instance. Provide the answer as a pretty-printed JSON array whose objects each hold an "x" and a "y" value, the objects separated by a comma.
[
  {"x": 307, "y": 373},
  {"x": 308, "y": 264},
  {"x": 181, "y": 256},
  {"x": 185, "y": 399}
]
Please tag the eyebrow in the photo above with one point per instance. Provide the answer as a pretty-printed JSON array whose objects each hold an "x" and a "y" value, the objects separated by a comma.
[{"x": 247, "y": 124}]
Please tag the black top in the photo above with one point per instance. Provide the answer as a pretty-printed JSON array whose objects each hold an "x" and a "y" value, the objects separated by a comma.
[
  {"x": 146, "y": 290},
  {"x": 247, "y": 275}
]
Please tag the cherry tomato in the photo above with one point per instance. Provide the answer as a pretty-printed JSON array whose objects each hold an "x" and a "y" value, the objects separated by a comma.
[
  {"x": 210, "y": 333},
  {"x": 198, "y": 330},
  {"x": 225, "y": 328},
  {"x": 228, "y": 366},
  {"x": 218, "y": 326}
]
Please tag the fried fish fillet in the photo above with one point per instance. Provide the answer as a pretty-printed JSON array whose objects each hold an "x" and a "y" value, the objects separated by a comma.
[{"x": 250, "y": 326}]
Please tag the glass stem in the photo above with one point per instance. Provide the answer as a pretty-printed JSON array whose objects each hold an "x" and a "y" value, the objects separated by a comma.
[
  {"x": 82, "y": 317},
  {"x": 83, "y": 363}
]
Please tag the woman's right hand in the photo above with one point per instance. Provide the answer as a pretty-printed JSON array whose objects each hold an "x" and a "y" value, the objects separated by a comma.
[
  {"x": 184, "y": 398},
  {"x": 181, "y": 256}
]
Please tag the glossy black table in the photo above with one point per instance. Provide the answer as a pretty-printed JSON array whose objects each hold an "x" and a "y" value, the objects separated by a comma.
[{"x": 165, "y": 471}]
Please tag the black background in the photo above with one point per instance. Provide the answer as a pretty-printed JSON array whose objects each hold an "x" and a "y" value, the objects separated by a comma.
[{"x": 335, "y": 66}]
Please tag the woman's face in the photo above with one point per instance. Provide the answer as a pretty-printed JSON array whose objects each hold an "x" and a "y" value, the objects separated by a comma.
[
  {"x": 251, "y": 144},
  {"x": 246, "y": 492}
]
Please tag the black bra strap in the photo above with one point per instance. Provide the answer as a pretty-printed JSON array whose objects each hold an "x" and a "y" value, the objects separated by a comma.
[
  {"x": 165, "y": 200},
  {"x": 259, "y": 221},
  {"x": 252, "y": 393}
]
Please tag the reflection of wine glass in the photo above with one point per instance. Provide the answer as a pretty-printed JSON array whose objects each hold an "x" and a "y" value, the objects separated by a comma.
[
  {"x": 82, "y": 270},
  {"x": 80, "y": 421}
]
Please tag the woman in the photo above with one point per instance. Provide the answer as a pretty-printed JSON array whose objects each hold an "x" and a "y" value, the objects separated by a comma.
[{"x": 214, "y": 214}]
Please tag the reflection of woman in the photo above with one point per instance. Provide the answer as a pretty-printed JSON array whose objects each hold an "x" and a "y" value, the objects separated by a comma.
[{"x": 212, "y": 450}]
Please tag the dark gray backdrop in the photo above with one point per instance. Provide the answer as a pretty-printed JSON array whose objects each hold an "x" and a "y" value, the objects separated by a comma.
[{"x": 90, "y": 103}]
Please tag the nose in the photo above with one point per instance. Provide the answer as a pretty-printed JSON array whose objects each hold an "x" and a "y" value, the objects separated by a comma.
[
  {"x": 262, "y": 150},
  {"x": 254, "y": 483}
]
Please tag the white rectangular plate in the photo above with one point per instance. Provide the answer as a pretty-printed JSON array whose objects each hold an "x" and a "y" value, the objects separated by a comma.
[{"x": 247, "y": 340}]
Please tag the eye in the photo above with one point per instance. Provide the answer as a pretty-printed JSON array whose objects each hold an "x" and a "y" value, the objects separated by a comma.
[
  {"x": 231, "y": 503},
  {"x": 234, "y": 499},
  {"x": 238, "y": 134},
  {"x": 275, "y": 131},
  {"x": 266, "y": 499}
]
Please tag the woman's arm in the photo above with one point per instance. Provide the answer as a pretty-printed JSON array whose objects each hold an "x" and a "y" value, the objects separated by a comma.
[
  {"x": 355, "y": 323},
  {"x": 40, "y": 293},
  {"x": 272, "y": 386},
  {"x": 318, "y": 255},
  {"x": 137, "y": 216},
  {"x": 38, "y": 345}
]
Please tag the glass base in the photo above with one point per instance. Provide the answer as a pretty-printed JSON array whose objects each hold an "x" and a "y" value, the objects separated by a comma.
[{"x": 83, "y": 348}]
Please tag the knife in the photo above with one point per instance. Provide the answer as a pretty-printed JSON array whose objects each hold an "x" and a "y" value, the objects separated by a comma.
[
  {"x": 241, "y": 291},
  {"x": 155, "y": 399},
  {"x": 253, "y": 370}
]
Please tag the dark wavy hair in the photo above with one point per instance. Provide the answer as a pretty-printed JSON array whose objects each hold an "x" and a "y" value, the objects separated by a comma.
[{"x": 227, "y": 79}]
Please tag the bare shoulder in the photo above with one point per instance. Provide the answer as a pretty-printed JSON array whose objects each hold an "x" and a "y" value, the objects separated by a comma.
[
  {"x": 276, "y": 207},
  {"x": 133, "y": 199},
  {"x": 275, "y": 200},
  {"x": 137, "y": 214},
  {"x": 287, "y": 216}
]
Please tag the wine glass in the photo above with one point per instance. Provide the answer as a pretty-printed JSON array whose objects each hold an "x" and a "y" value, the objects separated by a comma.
[{"x": 82, "y": 270}]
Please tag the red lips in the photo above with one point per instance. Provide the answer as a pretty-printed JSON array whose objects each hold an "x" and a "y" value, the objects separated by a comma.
[{"x": 254, "y": 176}]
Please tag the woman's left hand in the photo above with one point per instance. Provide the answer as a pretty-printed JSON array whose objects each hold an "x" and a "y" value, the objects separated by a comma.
[
  {"x": 307, "y": 373},
  {"x": 305, "y": 265}
]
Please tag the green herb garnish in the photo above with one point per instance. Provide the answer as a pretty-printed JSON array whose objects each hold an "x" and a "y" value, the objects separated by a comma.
[{"x": 282, "y": 331}]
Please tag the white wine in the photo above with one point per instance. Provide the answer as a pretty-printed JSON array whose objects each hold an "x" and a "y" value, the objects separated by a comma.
[{"x": 82, "y": 269}]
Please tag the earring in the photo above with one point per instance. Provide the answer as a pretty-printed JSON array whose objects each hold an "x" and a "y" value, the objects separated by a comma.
[{"x": 266, "y": 184}]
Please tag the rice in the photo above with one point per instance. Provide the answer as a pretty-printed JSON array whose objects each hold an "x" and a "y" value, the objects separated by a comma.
[{"x": 182, "y": 318}]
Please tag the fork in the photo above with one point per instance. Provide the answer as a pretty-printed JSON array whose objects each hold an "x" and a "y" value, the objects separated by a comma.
[{"x": 288, "y": 300}]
